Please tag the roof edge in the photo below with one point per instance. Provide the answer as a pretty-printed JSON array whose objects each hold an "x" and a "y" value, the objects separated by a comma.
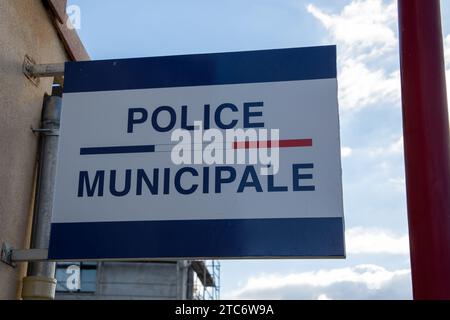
[{"x": 70, "y": 39}]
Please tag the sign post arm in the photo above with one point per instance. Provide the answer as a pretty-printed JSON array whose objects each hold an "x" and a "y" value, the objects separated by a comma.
[
  {"x": 426, "y": 143},
  {"x": 43, "y": 70}
]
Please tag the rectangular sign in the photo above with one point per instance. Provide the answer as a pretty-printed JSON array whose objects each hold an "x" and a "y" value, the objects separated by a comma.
[{"x": 229, "y": 155}]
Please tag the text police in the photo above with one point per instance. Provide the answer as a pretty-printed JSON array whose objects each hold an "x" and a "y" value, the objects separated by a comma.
[{"x": 185, "y": 180}]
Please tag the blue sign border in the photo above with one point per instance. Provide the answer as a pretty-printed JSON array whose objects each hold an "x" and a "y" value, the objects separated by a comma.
[
  {"x": 202, "y": 69},
  {"x": 250, "y": 238}
]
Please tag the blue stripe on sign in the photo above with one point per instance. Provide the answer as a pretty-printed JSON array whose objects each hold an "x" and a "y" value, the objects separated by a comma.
[
  {"x": 202, "y": 69},
  {"x": 116, "y": 150},
  {"x": 284, "y": 238}
]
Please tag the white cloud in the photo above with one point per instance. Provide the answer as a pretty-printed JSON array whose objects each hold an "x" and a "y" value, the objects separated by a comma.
[
  {"x": 395, "y": 148},
  {"x": 375, "y": 241},
  {"x": 398, "y": 183},
  {"x": 358, "y": 282},
  {"x": 379, "y": 168},
  {"x": 361, "y": 87},
  {"x": 323, "y": 297},
  {"x": 346, "y": 152},
  {"x": 365, "y": 34},
  {"x": 362, "y": 25}
]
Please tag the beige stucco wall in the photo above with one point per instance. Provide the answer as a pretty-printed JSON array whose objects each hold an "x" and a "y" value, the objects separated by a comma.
[{"x": 25, "y": 28}]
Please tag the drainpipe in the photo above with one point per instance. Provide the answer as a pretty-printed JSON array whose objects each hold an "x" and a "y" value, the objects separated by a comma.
[{"x": 40, "y": 283}]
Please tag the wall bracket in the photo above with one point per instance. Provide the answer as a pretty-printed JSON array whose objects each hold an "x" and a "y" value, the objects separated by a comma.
[
  {"x": 27, "y": 66},
  {"x": 6, "y": 255},
  {"x": 46, "y": 132},
  {"x": 11, "y": 256},
  {"x": 35, "y": 71}
]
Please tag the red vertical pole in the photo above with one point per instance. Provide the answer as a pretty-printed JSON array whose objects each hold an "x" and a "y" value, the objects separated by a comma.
[{"x": 427, "y": 148}]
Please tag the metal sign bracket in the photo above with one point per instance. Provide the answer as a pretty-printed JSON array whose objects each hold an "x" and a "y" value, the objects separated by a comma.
[
  {"x": 35, "y": 71},
  {"x": 11, "y": 256},
  {"x": 47, "y": 132}
]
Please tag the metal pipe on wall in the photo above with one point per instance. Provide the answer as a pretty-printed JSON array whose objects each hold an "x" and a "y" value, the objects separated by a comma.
[{"x": 40, "y": 282}]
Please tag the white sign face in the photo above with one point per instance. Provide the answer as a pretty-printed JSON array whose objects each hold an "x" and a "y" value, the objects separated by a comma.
[{"x": 233, "y": 155}]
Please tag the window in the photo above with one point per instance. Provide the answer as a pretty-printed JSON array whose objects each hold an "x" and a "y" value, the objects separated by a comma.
[{"x": 76, "y": 277}]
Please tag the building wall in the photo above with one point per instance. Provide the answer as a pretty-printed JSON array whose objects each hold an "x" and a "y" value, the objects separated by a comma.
[
  {"x": 25, "y": 28},
  {"x": 132, "y": 280}
]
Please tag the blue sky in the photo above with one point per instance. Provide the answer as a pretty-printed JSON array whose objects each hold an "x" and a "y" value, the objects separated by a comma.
[{"x": 365, "y": 32}]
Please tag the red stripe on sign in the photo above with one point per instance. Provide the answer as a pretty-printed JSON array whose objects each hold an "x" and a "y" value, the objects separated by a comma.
[{"x": 293, "y": 143}]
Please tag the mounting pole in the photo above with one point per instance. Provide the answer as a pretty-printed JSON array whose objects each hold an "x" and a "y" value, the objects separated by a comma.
[
  {"x": 40, "y": 282},
  {"x": 43, "y": 70},
  {"x": 427, "y": 148}
]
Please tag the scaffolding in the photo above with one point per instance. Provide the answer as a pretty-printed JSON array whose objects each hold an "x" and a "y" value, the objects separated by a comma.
[{"x": 206, "y": 284}]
